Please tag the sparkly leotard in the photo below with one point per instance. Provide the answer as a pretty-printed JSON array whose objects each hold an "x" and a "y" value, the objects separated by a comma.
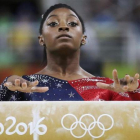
[{"x": 84, "y": 89}]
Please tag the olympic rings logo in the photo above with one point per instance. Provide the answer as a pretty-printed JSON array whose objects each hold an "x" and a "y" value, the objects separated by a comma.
[{"x": 84, "y": 127}]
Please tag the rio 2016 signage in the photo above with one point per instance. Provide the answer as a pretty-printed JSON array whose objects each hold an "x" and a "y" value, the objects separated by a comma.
[
  {"x": 33, "y": 129},
  {"x": 41, "y": 129}
]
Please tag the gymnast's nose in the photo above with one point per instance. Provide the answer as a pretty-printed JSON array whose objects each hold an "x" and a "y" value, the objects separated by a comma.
[{"x": 63, "y": 28}]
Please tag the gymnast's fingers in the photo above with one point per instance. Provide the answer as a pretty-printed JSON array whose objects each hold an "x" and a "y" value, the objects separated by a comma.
[
  {"x": 33, "y": 84},
  {"x": 24, "y": 85},
  {"x": 127, "y": 78},
  {"x": 136, "y": 77},
  {"x": 39, "y": 89},
  {"x": 105, "y": 86},
  {"x": 17, "y": 82},
  {"x": 10, "y": 86},
  {"x": 125, "y": 88},
  {"x": 115, "y": 76}
]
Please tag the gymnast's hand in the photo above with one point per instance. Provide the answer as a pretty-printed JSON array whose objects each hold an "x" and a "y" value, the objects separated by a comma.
[
  {"x": 121, "y": 85},
  {"x": 17, "y": 83}
]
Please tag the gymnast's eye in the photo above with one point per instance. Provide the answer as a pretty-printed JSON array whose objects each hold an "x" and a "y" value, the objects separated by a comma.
[
  {"x": 73, "y": 24},
  {"x": 53, "y": 24}
]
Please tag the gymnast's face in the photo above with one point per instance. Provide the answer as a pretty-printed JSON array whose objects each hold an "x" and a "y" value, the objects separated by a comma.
[{"x": 62, "y": 31}]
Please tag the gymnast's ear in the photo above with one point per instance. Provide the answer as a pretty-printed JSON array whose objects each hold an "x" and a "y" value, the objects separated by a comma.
[
  {"x": 84, "y": 37},
  {"x": 41, "y": 40},
  {"x": 84, "y": 40}
]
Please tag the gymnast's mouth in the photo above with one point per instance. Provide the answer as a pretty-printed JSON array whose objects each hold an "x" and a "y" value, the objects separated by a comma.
[{"x": 64, "y": 36}]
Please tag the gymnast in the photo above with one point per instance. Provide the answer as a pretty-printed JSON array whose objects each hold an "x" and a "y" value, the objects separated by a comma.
[{"x": 62, "y": 33}]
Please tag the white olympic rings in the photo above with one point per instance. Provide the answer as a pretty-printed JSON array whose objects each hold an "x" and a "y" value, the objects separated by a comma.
[{"x": 84, "y": 127}]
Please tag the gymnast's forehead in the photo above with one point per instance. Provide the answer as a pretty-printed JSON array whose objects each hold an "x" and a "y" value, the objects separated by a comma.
[{"x": 61, "y": 12}]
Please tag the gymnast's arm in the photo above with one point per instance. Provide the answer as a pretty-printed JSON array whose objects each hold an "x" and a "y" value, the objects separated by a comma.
[
  {"x": 126, "y": 84},
  {"x": 16, "y": 83}
]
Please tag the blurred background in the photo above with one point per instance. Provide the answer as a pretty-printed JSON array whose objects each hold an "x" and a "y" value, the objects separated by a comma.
[{"x": 112, "y": 27}]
